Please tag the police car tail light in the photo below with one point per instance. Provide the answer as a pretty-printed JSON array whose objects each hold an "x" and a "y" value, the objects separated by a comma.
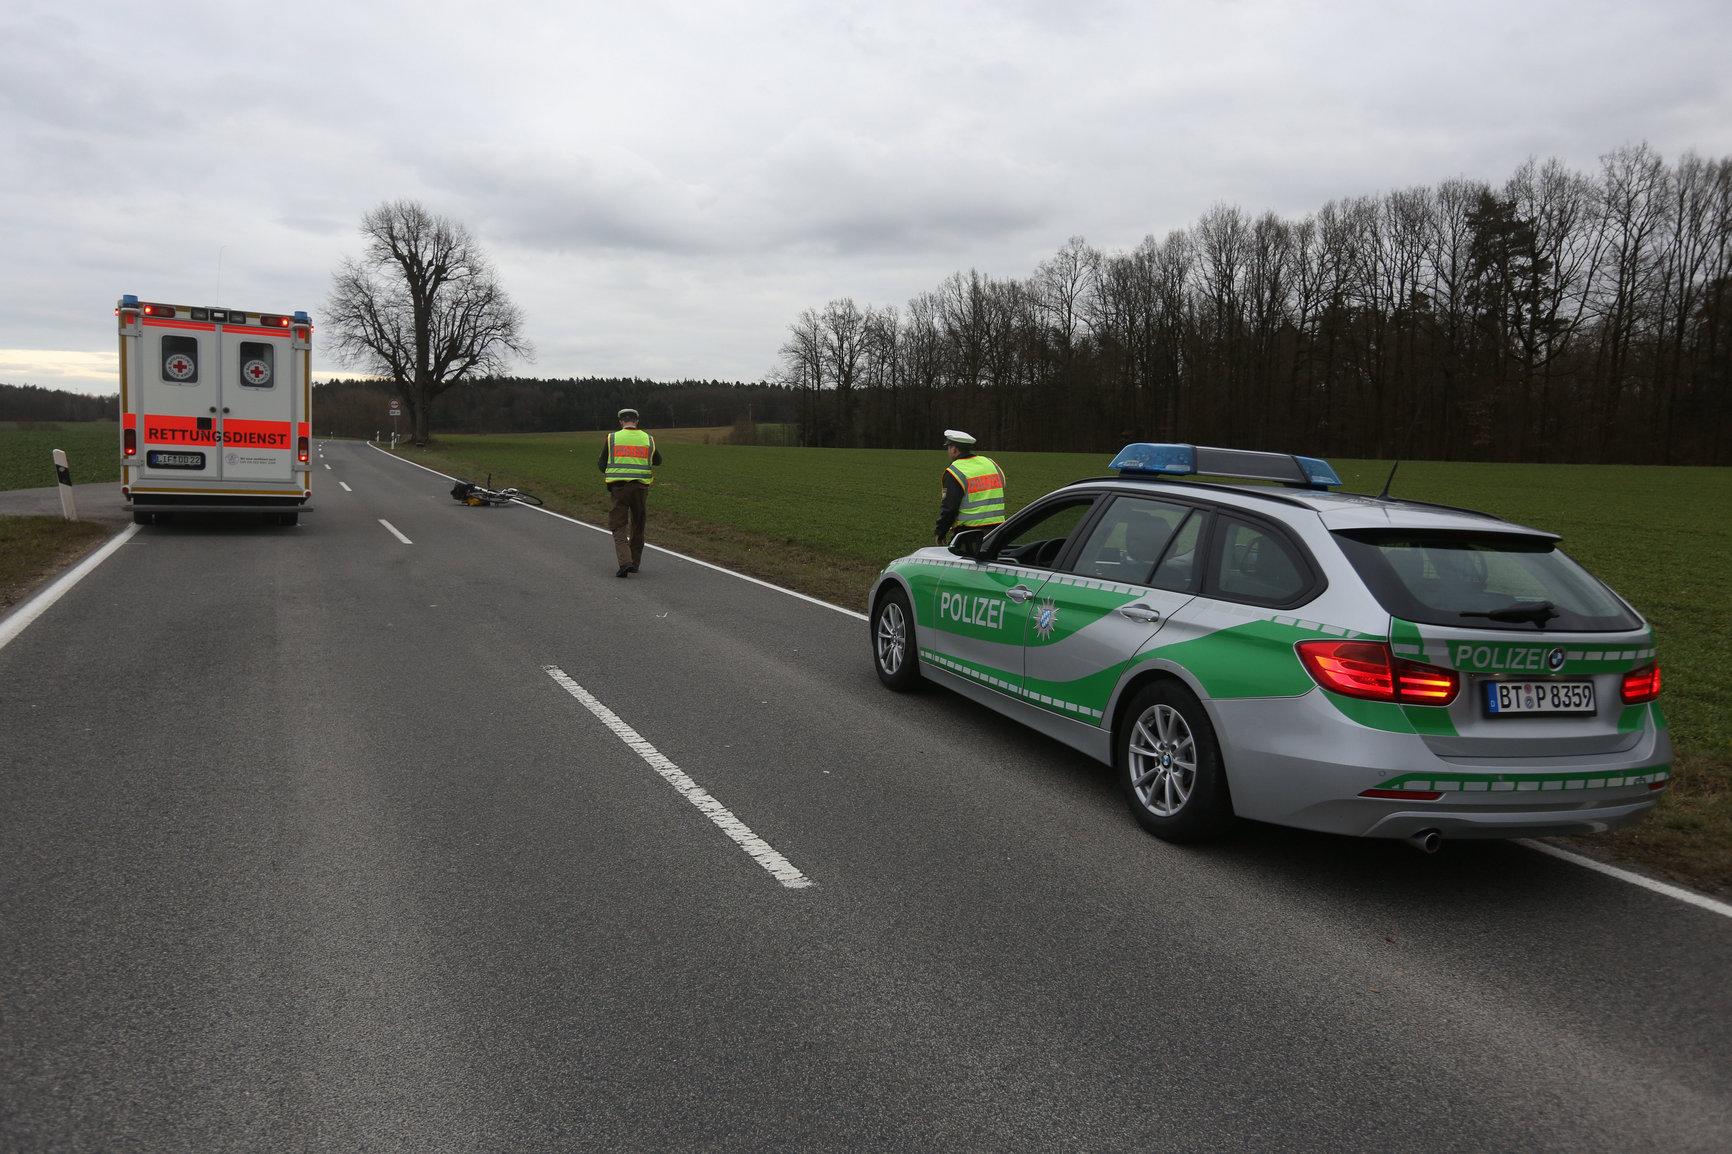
[
  {"x": 1418, "y": 684},
  {"x": 1641, "y": 685},
  {"x": 1368, "y": 669}
]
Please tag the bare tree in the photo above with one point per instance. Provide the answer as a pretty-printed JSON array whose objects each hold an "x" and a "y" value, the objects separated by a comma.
[
  {"x": 422, "y": 308},
  {"x": 803, "y": 364}
]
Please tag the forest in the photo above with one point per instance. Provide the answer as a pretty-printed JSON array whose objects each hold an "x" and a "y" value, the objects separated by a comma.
[{"x": 1559, "y": 316}]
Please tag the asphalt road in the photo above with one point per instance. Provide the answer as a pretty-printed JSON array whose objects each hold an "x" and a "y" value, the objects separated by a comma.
[{"x": 303, "y": 847}]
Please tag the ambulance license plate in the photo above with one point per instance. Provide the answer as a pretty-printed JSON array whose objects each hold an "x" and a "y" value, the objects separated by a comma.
[
  {"x": 1505, "y": 697},
  {"x": 157, "y": 459}
]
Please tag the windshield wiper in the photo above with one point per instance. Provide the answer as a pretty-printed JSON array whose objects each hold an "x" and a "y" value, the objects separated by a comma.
[{"x": 1538, "y": 612}]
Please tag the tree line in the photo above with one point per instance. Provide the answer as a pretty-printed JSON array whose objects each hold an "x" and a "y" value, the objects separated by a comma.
[
  {"x": 1559, "y": 316},
  {"x": 358, "y": 408},
  {"x": 36, "y": 403}
]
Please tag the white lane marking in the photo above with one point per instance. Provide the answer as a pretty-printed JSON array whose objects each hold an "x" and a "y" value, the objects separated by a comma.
[
  {"x": 395, "y": 532},
  {"x": 327, "y": 466},
  {"x": 858, "y": 616},
  {"x": 1681, "y": 894},
  {"x": 37, "y": 605},
  {"x": 345, "y": 485},
  {"x": 760, "y": 850},
  {"x": 1701, "y": 901}
]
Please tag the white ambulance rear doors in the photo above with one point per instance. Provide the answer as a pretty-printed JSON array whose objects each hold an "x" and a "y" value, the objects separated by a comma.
[
  {"x": 258, "y": 403},
  {"x": 218, "y": 399},
  {"x": 180, "y": 399}
]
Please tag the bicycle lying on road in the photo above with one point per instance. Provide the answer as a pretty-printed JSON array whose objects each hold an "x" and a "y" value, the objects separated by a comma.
[{"x": 469, "y": 493}]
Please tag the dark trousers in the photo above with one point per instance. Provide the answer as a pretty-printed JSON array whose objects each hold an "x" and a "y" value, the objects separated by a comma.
[{"x": 626, "y": 519}]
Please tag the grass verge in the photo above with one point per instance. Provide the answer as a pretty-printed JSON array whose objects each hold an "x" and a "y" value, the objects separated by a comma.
[
  {"x": 34, "y": 549},
  {"x": 824, "y": 522},
  {"x": 27, "y": 452}
]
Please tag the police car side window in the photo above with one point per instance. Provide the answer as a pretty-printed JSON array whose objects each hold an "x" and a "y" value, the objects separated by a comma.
[
  {"x": 1038, "y": 541},
  {"x": 1256, "y": 564},
  {"x": 1128, "y": 539},
  {"x": 1178, "y": 569}
]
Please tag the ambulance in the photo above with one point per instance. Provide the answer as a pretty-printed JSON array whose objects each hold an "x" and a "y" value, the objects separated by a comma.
[{"x": 215, "y": 410}]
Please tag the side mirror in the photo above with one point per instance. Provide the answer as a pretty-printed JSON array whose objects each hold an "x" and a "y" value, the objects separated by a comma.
[{"x": 967, "y": 543}]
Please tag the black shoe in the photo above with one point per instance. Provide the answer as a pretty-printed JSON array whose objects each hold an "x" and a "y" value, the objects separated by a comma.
[
  {"x": 632, "y": 568},
  {"x": 623, "y": 570}
]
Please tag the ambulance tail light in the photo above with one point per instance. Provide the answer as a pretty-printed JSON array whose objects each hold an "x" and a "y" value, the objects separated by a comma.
[
  {"x": 1370, "y": 670},
  {"x": 274, "y": 322},
  {"x": 1641, "y": 685},
  {"x": 157, "y": 310},
  {"x": 129, "y": 442},
  {"x": 301, "y": 449}
]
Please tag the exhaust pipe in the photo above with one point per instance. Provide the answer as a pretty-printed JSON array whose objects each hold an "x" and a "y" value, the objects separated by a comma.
[{"x": 1426, "y": 841}]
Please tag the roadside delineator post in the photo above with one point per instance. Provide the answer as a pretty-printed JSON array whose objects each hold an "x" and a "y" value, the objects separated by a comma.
[{"x": 64, "y": 476}]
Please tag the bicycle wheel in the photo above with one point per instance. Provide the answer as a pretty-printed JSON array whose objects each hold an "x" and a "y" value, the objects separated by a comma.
[{"x": 527, "y": 498}]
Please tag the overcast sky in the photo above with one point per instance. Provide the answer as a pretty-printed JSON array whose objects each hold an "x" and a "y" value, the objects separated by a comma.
[{"x": 664, "y": 186}]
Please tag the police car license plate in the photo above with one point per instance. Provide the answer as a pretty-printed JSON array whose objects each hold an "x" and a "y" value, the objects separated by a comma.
[
  {"x": 157, "y": 459},
  {"x": 1504, "y": 697}
]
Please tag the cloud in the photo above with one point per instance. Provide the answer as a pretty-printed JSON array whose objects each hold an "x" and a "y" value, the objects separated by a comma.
[{"x": 664, "y": 185}]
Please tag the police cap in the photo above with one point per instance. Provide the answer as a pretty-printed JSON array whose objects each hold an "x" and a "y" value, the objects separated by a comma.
[
  {"x": 957, "y": 437},
  {"x": 628, "y": 414}
]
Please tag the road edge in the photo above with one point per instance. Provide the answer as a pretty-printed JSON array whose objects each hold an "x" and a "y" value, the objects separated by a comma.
[{"x": 20, "y": 618}]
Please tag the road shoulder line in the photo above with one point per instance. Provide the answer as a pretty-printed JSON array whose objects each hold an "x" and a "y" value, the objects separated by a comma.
[
  {"x": 831, "y": 605},
  {"x": 1678, "y": 893},
  {"x": 21, "y": 617}
]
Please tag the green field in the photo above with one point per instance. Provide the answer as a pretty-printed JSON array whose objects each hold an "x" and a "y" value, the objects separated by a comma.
[
  {"x": 825, "y": 520},
  {"x": 26, "y": 452}
]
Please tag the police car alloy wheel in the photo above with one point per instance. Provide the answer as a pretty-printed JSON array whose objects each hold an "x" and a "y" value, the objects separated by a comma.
[
  {"x": 1169, "y": 765},
  {"x": 893, "y": 641}
]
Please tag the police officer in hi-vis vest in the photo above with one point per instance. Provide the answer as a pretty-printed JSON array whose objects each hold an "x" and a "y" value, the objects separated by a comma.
[
  {"x": 973, "y": 489},
  {"x": 628, "y": 461}
]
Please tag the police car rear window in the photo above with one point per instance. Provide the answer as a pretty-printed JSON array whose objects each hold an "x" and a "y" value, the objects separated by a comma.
[{"x": 1483, "y": 581}]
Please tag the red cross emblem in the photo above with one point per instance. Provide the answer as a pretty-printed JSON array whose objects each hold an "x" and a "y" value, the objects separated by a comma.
[
  {"x": 179, "y": 367},
  {"x": 256, "y": 372}
]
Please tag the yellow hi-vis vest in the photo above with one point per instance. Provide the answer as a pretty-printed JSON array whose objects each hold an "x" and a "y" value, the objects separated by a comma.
[
  {"x": 629, "y": 453},
  {"x": 982, "y": 491}
]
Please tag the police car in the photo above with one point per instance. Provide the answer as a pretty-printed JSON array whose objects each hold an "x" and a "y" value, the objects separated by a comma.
[{"x": 1292, "y": 654}]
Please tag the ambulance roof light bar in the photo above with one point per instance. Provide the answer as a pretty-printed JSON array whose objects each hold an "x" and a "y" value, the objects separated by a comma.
[{"x": 1145, "y": 459}]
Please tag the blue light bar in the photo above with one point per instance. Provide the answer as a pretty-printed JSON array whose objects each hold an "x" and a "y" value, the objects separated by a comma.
[
  {"x": 128, "y": 301},
  {"x": 1167, "y": 460},
  {"x": 1318, "y": 472},
  {"x": 301, "y": 317},
  {"x": 1144, "y": 458}
]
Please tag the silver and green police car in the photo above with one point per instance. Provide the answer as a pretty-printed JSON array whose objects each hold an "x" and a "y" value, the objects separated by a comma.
[{"x": 1292, "y": 654}]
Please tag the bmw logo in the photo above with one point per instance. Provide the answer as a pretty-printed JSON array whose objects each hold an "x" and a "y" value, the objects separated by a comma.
[{"x": 1555, "y": 660}]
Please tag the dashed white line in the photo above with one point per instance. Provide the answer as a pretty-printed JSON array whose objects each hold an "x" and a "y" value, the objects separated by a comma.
[
  {"x": 345, "y": 486},
  {"x": 327, "y": 466},
  {"x": 760, "y": 850},
  {"x": 395, "y": 532}
]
